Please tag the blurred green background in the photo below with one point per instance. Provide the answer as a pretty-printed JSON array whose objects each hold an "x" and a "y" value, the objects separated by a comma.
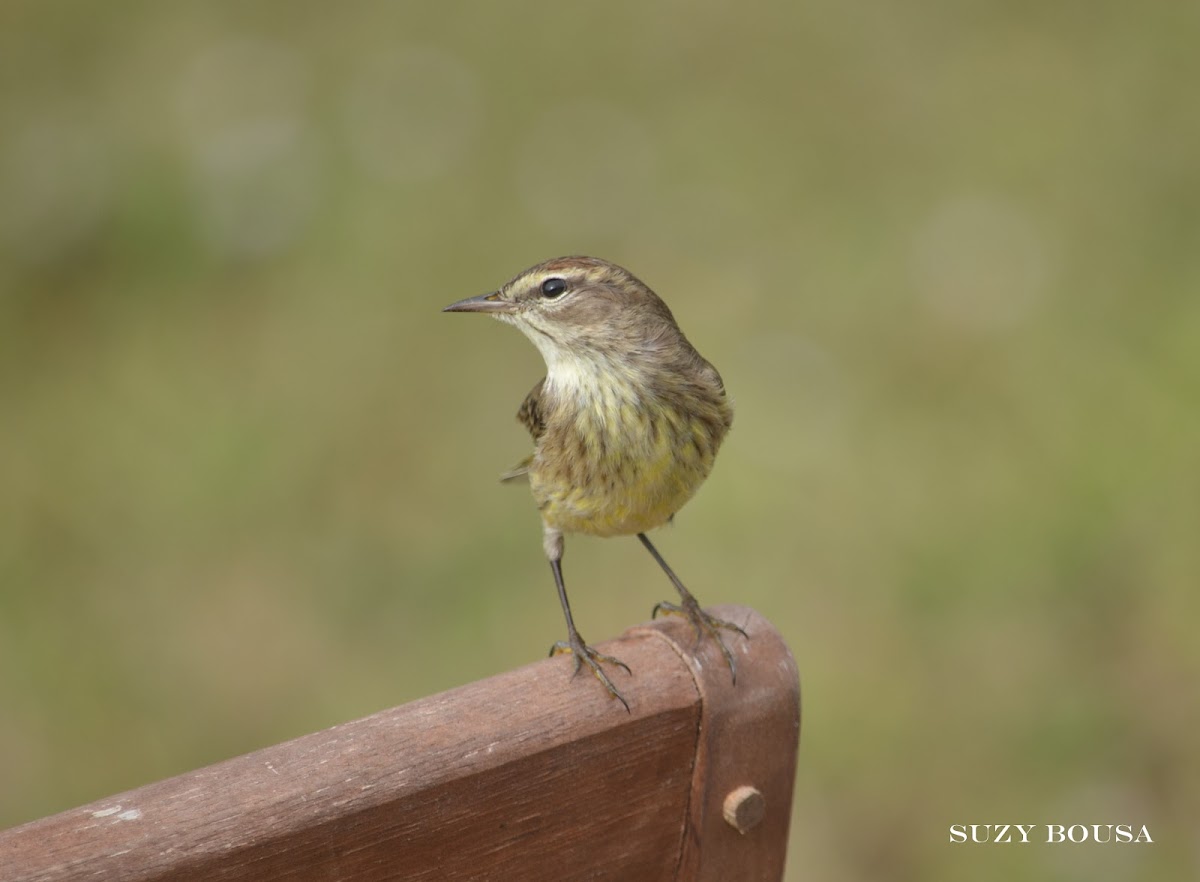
[{"x": 946, "y": 256}]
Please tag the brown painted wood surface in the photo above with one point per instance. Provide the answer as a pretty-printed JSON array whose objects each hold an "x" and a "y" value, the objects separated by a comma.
[{"x": 528, "y": 775}]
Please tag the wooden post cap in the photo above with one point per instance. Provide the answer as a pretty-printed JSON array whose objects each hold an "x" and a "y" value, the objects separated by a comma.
[{"x": 743, "y": 808}]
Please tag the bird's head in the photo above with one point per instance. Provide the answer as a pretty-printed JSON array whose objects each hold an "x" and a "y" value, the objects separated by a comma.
[{"x": 580, "y": 308}]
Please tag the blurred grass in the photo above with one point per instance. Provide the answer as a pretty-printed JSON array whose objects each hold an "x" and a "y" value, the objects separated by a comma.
[{"x": 944, "y": 255}]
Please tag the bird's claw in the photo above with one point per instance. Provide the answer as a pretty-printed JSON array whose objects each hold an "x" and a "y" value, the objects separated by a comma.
[
  {"x": 585, "y": 655},
  {"x": 704, "y": 623}
]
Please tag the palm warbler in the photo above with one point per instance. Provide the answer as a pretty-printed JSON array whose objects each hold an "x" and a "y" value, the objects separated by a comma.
[{"x": 626, "y": 423}]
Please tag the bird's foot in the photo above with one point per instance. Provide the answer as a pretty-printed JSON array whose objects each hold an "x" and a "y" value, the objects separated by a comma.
[
  {"x": 585, "y": 655},
  {"x": 704, "y": 623}
]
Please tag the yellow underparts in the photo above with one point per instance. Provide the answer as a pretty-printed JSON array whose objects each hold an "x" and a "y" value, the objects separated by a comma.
[{"x": 613, "y": 464}]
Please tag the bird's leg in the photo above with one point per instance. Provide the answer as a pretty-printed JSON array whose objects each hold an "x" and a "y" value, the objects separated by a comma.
[
  {"x": 574, "y": 644},
  {"x": 703, "y": 622}
]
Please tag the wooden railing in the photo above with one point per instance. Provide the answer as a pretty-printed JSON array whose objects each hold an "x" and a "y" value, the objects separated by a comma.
[{"x": 529, "y": 775}]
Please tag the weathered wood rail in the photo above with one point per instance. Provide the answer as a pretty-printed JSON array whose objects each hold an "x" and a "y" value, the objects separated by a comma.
[{"x": 529, "y": 775}]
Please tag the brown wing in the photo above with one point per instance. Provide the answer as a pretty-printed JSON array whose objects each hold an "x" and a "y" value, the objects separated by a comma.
[{"x": 530, "y": 416}]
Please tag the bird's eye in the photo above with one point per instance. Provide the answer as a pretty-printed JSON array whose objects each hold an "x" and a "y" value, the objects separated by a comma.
[{"x": 552, "y": 288}]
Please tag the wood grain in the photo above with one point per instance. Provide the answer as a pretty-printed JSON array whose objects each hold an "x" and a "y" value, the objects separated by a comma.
[{"x": 530, "y": 775}]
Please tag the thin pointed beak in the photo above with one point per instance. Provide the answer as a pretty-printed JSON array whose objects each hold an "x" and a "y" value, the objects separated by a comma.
[{"x": 483, "y": 303}]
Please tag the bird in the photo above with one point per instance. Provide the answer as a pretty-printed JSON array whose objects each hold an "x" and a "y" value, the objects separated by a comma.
[{"x": 626, "y": 423}]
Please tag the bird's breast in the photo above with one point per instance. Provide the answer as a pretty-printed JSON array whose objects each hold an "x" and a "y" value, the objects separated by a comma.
[{"x": 619, "y": 458}]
